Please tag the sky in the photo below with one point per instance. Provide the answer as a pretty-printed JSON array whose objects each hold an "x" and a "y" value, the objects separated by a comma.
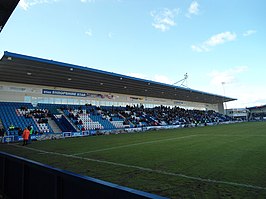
[{"x": 220, "y": 44}]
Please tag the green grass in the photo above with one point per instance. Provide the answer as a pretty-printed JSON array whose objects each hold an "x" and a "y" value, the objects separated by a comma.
[{"x": 153, "y": 161}]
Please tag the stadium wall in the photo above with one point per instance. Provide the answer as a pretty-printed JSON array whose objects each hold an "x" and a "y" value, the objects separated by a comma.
[
  {"x": 23, "y": 178},
  {"x": 14, "y": 92}
]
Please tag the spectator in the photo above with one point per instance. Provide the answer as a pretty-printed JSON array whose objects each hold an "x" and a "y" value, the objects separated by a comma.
[
  {"x": 2, "y": 132},
  {"x": 20, "y": 131},
  {"x": 25, "y": 136},
  {"x": 11, "y": 127},
  {"x": 31, "y": 132}
]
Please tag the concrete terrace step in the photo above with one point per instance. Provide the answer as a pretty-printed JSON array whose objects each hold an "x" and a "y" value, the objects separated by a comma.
[{"x": 53, "y": 125}]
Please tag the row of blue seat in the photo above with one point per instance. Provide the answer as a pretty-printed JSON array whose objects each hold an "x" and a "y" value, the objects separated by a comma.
[{"x": 9, "y": 116}]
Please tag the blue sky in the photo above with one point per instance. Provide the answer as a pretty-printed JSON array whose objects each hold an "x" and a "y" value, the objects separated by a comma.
[{"x": 160, "y": 40}]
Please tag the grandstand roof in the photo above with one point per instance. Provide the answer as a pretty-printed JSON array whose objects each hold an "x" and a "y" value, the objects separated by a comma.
[
  {"x": 31, "y": 70},
  {"x": 6, "y": 9},
  {"x": 256, "y": 107}
]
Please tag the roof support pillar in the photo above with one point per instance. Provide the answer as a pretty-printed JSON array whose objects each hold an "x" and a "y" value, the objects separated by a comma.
[{"x": 221, "y": 108}]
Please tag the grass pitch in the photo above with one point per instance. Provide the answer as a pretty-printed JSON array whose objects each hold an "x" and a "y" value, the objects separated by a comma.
[{"x": 225, "y": 161}]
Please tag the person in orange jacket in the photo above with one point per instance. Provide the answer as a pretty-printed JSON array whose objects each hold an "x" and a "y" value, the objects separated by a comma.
[{"x": 25, "y": 136}]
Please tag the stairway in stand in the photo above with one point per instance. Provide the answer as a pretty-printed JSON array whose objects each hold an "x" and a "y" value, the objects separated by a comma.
[{"x": 53, "y": 125}]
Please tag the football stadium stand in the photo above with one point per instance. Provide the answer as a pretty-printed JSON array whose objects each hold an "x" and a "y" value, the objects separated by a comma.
[
  {"x": 257, "y": 113},
  {"x": 15, "y": 116},
  {"x": 55, "y": 97}
]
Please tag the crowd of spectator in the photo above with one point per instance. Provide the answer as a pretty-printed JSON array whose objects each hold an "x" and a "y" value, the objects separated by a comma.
[
  {"x": 163, "y": 115},
  {"x": 131, "y": 116},
  {"x": 138, "y": 116}
]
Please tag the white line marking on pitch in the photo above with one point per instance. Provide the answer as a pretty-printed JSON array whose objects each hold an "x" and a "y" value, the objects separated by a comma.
[
  {"x": 135, "y": 144},
  {"x": 151, "y": 142},
  {"x": 149, "y": 170}
]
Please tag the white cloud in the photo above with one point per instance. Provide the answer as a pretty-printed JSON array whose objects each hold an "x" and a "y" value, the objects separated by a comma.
[
  {"x": 164, "y": 19},
  {"x": 162, "y": 79},
  {"x": 246, "y": 92},
  {"x": 200, "y": 48},
  {"x": 214, "y": 41},
  {"x": 221, "y": 38},
  {"x": 193, "y": 9},
  {"x": 249, "y": 32},
  {"x": 247, "y": 95},
  {"x": 23, "y": 4},
  {"x": 227, "y": 76},
  {"x": 89, "y": 33},
  {"x": 26, "y": 4}
]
